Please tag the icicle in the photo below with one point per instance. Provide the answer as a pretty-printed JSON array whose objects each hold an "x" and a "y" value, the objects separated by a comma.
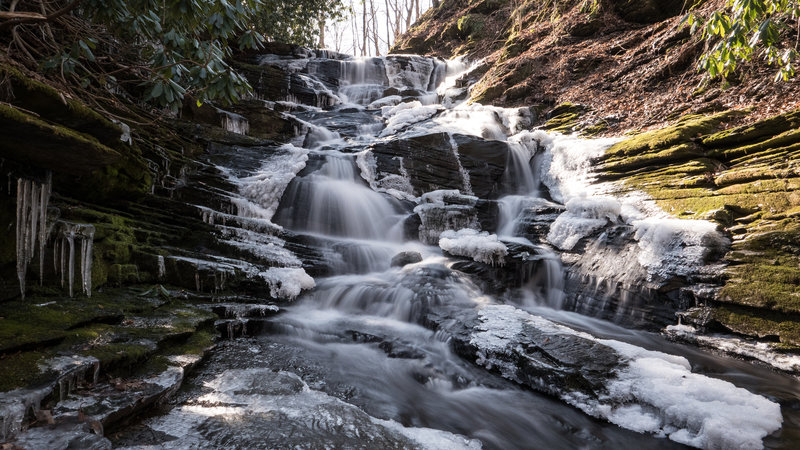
[
  {"x": 32, "y": 199},
  {"x": 43, "y": 230},
  {"x": 70, "y": 235},
  {"x": 55, "y": 256},
  {"x": 22, "y": 265},
  {"x": 162, "y": 268},
  {"x": 464, "y": 174},
  {"x": 33, "y": 221},
  {"x": 63, "y": 256},
  {"x": 86, "y": 260}
]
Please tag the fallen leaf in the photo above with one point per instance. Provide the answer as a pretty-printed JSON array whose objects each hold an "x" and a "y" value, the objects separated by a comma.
[{"x": 45, "y": 415}]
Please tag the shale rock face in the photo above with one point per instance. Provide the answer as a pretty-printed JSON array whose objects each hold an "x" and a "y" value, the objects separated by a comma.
[{"x": 432, "y": 163}]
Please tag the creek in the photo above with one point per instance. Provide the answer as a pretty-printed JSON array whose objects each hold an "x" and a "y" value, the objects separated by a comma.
[{"x": 462, "y": 282}]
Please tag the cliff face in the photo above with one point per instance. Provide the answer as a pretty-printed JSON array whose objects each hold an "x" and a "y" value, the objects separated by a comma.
[{"x": 714, "y": 151}]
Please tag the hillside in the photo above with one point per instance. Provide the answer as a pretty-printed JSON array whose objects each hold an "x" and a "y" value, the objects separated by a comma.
[{"x": 728, "y": 152}]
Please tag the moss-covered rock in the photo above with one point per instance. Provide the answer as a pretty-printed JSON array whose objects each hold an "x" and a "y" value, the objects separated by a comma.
[
  {"x": 470, "y": 26},
  {"x": 746, "y": 179},
  {"x": 122, "y": 329},
  {"x": 564, "y": 118}
]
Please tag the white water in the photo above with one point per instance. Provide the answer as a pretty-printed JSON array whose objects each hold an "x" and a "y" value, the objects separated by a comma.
[{"x": 356, "y": 334}]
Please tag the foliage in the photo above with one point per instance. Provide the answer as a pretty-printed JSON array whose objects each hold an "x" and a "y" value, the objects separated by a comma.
[
  {"x": 746, "y": 28},
  {"x": 297, "y": 22},
  {"x": 155, "y": 50},
  {"x": 184, "y": 42}
]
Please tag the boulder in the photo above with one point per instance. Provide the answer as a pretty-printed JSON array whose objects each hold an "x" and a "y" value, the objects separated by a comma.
[{"x": 404, "y": 258}]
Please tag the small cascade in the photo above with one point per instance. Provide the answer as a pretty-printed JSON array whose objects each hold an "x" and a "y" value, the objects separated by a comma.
[
  {"x": 333, "y": 201},
  {"x": 464, "y": 174},
  {"x": 32, "y": 200},
  {"x": 69, "y": 233}
]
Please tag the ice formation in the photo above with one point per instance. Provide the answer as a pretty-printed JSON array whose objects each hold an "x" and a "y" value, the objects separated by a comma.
[
  {"x": 68, "y": 234},
  {"x": 467, "y": 185},
  {"x": 480, "y": 246},
  {"x": 405, "y": 114},
  {"x": 398, "y": 186},
  {"x": 234, "y": 123},
  {"x": 445, "y": 210},
  {"x": 676, "y": 246},
  {"x": 387, "y": 101},
  {"x": 32, "y": 200},
  {"x": 669, "y": 246},
  {"x": 315, "y": 418},
  {"x": 264, "y": 189},
  {"x": 584, "y": 216},
  {"x": 162, "y": 268},
  {"x": 287, "y": 282},
  {"x": 650, "y": 391}
]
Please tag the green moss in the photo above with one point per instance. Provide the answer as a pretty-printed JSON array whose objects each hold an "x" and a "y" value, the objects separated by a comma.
[
  {"x": 671, "y": 155},
  {"x": 471, "y": 26},
  {"x": 51, "y": 105},
  {"x": 514, "y": 46},
  {"x": 686, "y": 129},
  {"x": 564, "y": 118},
  {"x": 744, "y": 179},
  {"x": 595, "y": 130},
  {"x": 758, "y": 323},
  {"x": 20, "y": 370},
  {"x": 764, "y": 129}
]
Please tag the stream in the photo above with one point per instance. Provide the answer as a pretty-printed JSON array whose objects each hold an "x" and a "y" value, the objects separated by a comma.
[{"x": 441, "y": 310}]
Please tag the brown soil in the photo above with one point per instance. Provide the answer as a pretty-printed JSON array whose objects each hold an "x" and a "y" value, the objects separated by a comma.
[{"x": 627, "y": 75}]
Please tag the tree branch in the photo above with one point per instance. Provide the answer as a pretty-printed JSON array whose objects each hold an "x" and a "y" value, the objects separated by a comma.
[{"x": 19, "y": 18}]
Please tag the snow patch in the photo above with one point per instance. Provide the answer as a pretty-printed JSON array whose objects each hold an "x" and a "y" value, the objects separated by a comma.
[
  {"x": 287, "y": 282},
  {"x": 584, "y": 216},
  {"x": 650, "y": 392},
  {"x": 480, "y": 246}
]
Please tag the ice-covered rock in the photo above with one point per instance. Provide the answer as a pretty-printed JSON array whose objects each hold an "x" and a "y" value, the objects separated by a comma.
[
  {"x": 480, "y": 246},
  {"x": 286, "y": 283},
  {"x": 638, "y": 389}
]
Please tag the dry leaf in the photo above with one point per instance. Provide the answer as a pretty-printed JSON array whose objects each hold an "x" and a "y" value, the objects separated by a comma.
[
  {"x": 45, "y": 415},
  {"x": 97, "y": 427}
]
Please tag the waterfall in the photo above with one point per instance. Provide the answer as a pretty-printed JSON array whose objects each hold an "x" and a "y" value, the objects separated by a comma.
[{"x": 409, "y": 228}]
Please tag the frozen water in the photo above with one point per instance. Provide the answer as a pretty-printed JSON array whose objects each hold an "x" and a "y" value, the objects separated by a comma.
[
  {"x": 480, "y": 246},
  {"x": 650, "y": 392},
  {"x": 286, "y": 283}
]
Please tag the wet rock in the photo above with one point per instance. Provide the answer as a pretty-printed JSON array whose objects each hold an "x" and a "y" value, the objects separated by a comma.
[
  {"x": 485, "y": 161},
  {"x": 428, "y": 160},
  {"x": 525, "y": 265},
  {"x": 651, "y": 11},
  {"x": 547, "y": 360},
  {"x": 64, "y": 436},
  {"x": 405, "y": 258}
]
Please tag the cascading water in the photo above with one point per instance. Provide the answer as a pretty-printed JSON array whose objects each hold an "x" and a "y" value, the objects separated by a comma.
[{"x": 472, "y": 207}]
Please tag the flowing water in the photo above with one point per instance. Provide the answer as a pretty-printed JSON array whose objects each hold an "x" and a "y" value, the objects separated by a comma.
[{"x": 355, "y": 363}]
